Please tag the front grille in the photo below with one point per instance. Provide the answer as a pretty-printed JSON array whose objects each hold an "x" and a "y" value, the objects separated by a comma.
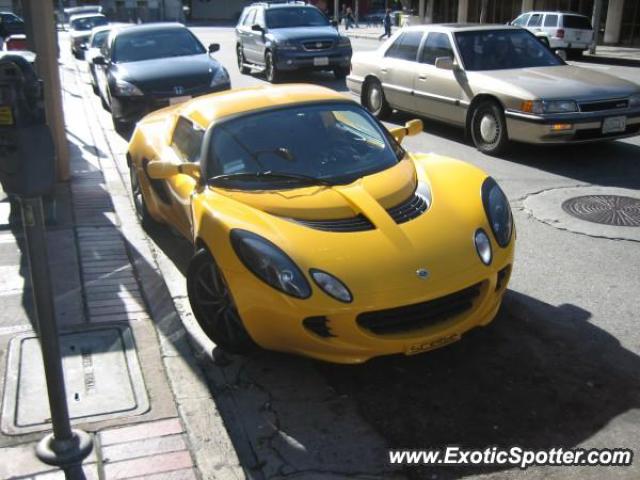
[
  {"x": 411, "y": 208},
  {"x": 419, "y": 315},
  {"x": 359, "y": 223},
  {"x": 316, "y": 46},
  {"x": 604, "y": 105}
]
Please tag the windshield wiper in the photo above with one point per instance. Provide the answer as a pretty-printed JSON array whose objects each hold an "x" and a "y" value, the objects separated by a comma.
[{"x": 268, "y": 174}]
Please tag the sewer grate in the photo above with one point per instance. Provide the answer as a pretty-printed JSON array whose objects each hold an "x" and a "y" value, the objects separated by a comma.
[{"x": 614, "y": 210}]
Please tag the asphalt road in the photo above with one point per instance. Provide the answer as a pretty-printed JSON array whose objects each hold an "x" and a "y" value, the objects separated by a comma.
[{"x": 558, "y": 367}]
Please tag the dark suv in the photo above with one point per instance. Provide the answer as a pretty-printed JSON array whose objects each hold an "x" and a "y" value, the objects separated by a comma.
[{"x": 290, "y": 36}]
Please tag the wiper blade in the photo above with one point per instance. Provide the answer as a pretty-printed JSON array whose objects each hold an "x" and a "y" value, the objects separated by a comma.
[{"x": 269, "y": 174}]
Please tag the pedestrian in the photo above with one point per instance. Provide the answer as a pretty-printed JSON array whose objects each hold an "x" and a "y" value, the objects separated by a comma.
[
  {"x": 348, "y": 19},
  {"x": 386, "y": 22}
]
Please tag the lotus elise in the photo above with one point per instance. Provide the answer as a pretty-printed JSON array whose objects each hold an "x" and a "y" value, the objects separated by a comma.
[{"x": 315, "y": 232}]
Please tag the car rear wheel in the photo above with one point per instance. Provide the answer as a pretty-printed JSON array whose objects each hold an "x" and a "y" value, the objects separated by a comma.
[
  {"x": 213, "y": 305},
  {"x": 142, "y": 212},
  {"x": 375, "y": 101},
  {"x": 241, "y": 61},
  {"x": 271, "y": 72},
  {"x": 489, "y": 128}
]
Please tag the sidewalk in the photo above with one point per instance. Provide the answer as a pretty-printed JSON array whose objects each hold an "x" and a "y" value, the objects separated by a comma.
[{"x": 132, "y": 380}]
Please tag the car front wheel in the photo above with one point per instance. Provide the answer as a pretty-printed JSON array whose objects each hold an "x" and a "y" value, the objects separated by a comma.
[
  {"x": 142, "y": 212},
  {"x": 241, "y": 61},
  {"x": 213, "y": 305},
  {"x": 489, "y": 128},
  {"x": 375, "y": 101},
  {"x": 271, "y": 72}
]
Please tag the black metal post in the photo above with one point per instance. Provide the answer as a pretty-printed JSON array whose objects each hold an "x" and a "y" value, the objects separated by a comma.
[{"x": 65, "y": 446}]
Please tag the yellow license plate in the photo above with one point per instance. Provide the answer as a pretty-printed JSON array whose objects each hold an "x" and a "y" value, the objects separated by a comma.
[
  {"x": 6, "y": 116},
  {"x": 431, "y": 345}
]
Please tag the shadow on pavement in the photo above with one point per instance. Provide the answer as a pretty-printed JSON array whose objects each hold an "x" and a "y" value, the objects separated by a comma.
[
  {"x": 602, "y": 59},
  {"x": 538, "y": 377}
]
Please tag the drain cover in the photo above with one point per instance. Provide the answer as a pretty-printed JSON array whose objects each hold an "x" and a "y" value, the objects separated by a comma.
[{"x": 605, "y": 209}]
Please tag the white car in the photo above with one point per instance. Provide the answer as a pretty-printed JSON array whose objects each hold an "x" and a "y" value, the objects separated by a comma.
[{"x": 566, "y": 31}]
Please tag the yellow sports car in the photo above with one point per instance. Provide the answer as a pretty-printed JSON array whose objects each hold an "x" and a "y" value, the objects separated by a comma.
[{"x": 315, "y": 232}]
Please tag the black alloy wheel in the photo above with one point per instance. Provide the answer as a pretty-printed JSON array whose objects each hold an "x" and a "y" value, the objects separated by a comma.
[{"x": 213, "y": 305}]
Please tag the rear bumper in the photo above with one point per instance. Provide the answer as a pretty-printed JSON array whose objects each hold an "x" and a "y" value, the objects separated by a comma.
[
  {"x": 558, "y": 43},
  {"x": 323, "y": 60},
  {"x": 583, "y": 127},
  {"x": 132, "y": 109}
]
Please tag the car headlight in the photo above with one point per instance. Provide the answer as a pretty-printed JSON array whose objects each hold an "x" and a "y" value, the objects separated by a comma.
[
  {"x": 634, "y": 100},
  {"x": 483, "y": 246},
  {"x": 219, "y": 77},
  {"x": 286, "y": 45},
  {"x": 424, "y": 192},
  {"x": 498, "y": 211},
  {"x": 269, "y": 263},
  {"x": 549, "y": 106},
  {"x": 331, "y": 285},
  {"x": 344, "y": 42},
  {"x": 126, "y": 89}
]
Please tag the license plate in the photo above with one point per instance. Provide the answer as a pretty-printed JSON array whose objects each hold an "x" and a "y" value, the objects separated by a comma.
[
  {"x": 432, "y": 345},
  {"x": 321, "y": 61},
  {"x": 174, "y": 100},
  {"x": 614, "y": 124}
]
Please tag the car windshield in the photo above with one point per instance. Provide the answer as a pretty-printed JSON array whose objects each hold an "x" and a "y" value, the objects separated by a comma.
[
  {"x": 295, "y": 17},
  {"x": 503, "y": 49},
  {"x": 150, "y": 45},
  {"x": 88, "y": 23},
  {"x": 99, "y": 38},
  {"x": 294, "y": 146}
]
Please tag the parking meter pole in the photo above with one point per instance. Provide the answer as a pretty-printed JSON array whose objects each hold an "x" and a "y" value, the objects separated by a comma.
[{"x": 65, "y": 446}]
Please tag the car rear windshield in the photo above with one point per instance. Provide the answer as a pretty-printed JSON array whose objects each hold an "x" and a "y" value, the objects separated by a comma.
[
  {"x": 503, "y": 49},
  {"x": 330, "y": 142},
  {"x": 295, "y": 17},
  {"x": 576, "y": 21},
  {"x": 150, "y": 45},
  {"x": 88, "y": 23}
]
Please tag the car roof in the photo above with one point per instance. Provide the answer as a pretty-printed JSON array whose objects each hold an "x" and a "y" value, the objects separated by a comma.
[
  {"x": 149, "y": 27},
  {"x": 110, "y": 26},
  {"x": 207, "y": 110},
  {"x": 460, "y": 27},
  {"x": 271, "y": 5},
  {"x": 555, "y": 12},
  {"x": 85, "y": 15}
]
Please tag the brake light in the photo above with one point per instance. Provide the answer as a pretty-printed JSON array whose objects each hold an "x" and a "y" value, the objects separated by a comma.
[{"x": 560, "y": 33}]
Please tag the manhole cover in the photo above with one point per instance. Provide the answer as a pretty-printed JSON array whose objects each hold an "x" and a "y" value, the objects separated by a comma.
[{"x": 605, "y": 209}]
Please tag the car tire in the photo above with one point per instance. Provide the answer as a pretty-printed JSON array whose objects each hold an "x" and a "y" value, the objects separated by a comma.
[
  {"x": 241, "y": 61},
  {"x": 374, "y": 99},
  {"x": 139, "y": 203},
  {"x": 574, "y": 53},
  {"x": 271, "y": 72},
  {"x": 121, "y": 127},
  {"x": 213, "y": 306},
  {"x": 489, "y": 128},
  {"x": 340, "y": 73}
]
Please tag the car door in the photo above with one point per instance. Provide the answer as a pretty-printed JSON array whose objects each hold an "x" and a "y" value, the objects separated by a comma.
[
  {"x": 535, "y": 22},
  {"x": 397, "y": 69},
  {"x": 185, "y": 147},
  {"x": 247, "y": 39},
  {"x": 259, "y": 38},
  {"x": 438, "y": 93}
]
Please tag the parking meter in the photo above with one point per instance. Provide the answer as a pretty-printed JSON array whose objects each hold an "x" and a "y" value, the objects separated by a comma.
[{"x": 27, "y": 154}]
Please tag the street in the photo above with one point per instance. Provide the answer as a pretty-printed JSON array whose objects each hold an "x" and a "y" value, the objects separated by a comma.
[{"x": 558, "y": 367}]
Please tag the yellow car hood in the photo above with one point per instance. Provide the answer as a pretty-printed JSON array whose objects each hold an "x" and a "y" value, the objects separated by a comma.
[{"x": 387, "y": 257}]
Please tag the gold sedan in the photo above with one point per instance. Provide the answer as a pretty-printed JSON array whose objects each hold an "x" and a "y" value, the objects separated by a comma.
[{"x": 498, "y": 82}]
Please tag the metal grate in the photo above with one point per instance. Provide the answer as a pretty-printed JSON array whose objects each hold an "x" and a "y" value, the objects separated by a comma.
[
  {"x": 605, "y": 209},
  {"x": 318, "y": 45},
  {"x": 358, "y": 223},
  {"x": 411, "y": 208},
  {"x": 419, "y": 315}
]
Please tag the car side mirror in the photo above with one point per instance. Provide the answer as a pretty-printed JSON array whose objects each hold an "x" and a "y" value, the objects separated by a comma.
[
  {"x": 99, "y": 60},
  {"x": 445, "y": 63},
  {"x": 214, "y": 47},
  {"x": 411, "y": 128},
  {"x": 257, "y": 28},
  {"x": 159, "y": 170}
]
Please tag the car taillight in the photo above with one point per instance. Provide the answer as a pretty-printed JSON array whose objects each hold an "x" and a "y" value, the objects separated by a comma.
[{"x": 560, "y": 33}]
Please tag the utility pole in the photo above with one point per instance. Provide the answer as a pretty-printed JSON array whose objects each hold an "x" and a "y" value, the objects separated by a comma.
[
  {"x": 595, "y": 22},
  {"x": 39, "y": 18}
]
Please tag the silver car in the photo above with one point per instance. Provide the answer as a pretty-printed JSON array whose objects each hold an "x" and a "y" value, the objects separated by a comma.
[{"x": 498, "y": 82}]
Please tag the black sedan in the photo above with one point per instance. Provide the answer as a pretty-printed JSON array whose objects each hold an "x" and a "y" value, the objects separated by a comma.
[
  {"x": 10, "y": 24},
  {"x": 146, "y": 67}
]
